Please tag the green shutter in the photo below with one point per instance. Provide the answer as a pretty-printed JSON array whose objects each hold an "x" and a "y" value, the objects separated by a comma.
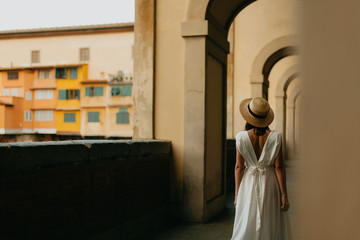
[
  {"x": 122, "y": 117},
  {"x": 93, "y": 117},
  {"x": 77, "y": 94},
  {"x": 63, "y": 94},
  {"x": 125, "y": 91},
  {"x": 87, "y": 91},
  {"x": 73, "y": 73},
  {"x": 69, "y": 117},
  {"x": 99, "y": 91}
]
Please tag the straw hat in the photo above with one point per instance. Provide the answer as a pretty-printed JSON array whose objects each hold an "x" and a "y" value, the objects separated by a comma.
[{"x": 256, "y": 111}]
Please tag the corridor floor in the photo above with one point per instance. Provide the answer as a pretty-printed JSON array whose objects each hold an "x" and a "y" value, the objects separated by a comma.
[{"x": 220, "y": 227}]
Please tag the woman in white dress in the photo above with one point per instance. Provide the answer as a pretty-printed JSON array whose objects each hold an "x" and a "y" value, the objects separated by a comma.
[{"x": 261, "y": 199}]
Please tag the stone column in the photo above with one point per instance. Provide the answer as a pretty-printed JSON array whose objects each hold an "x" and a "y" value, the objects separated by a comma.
[
  {"x": 194, "y": 34},
  {"x": 289, "y": 131},
  {"x": 144, "y": 65},
  {"x": 230, "y": 84}
]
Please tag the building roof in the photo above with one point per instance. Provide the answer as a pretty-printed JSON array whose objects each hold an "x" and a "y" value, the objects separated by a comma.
[
  {"x": 73, "y": 30},
  {"x": 94, "y": 81},
  {"x": 33, "y": 67}
]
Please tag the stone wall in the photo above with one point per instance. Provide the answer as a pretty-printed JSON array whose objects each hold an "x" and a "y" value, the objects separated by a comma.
[{"x": 83, "y": 189}]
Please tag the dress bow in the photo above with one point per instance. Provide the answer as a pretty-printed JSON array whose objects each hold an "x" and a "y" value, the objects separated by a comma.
[{"x": 258, "y": 170}]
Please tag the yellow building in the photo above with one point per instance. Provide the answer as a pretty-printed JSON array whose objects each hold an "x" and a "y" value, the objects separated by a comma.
[{"x": 68, "y": 80}]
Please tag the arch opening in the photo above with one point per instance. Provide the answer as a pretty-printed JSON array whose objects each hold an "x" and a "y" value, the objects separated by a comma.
[{"x": 206, "y": 97}]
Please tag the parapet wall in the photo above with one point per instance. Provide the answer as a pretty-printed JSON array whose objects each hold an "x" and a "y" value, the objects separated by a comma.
[{"x": 98, "y": 189}]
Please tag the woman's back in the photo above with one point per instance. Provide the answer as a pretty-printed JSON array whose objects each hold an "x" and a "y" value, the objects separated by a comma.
[
  {"x": 258, "y": 150},
  {"x": 258, "y": 142}
]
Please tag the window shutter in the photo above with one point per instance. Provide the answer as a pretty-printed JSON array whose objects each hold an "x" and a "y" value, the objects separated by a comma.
[
  {"x": 73, "y": 73},
  {"x": 99, "y": 91},
  {"x": 62, "y": 94},
  {"x": 69, "y": 117},
  {"x": 93, "y": 117},
  {"x": 125, "y": 91},
  {"x": 77, "y": 94},
  {"x": 88, "y": 91},
  {"x": 122, "y": 117},
  {"x": 57, "y": 73}
]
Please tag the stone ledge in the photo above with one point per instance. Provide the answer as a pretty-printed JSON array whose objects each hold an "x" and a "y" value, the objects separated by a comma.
[{"x": 15, "y": 156}]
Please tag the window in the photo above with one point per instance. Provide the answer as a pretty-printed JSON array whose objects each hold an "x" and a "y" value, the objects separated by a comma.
[
  {"x": 13, "y": 75},
  {"x": 93, "y": 117},
  {"x": 43, "y": 115},
  {"x": 73, "y": 73},
  {"x": 122, "y": 117},
  {"x": 65, "y": 94},
  {"x": 28, "y": 95},
  {"x": 121, "y": 91},
  {"x": 35, "y": 56},
  {"x": 94, "y": 91},
  {"x": 84, "y": 54},
  {"x": 14, "y": 92},
  {"x": 69, "y": 117},
  {"x": 28, "y": 116},
  {"x": 44, "y": 94},
  {"x": 6, "y": 92},
  {"x": 115, "y": 91},
  {"x": 60, "y": 73},
  {"x": 44, "y": 74}
]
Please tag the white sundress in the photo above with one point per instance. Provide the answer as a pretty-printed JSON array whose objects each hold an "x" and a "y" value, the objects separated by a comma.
[{"x": 258, "y": 215}]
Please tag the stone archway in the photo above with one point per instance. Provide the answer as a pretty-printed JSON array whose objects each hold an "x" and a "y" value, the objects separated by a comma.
[
  {"x": 267, "y": 57},
  {"x": 206, "y": 48},
  {"x": 292, "y": 121}
]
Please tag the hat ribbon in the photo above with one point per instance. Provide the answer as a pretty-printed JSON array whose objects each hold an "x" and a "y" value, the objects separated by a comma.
[{"x": 255, "y": 115}]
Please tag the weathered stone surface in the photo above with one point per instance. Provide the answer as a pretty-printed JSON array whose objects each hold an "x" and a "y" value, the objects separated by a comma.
[{"x": 14, "y": 156}]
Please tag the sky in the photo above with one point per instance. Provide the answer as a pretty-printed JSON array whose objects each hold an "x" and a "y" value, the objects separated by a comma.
[{"x": 25, "y": 14}]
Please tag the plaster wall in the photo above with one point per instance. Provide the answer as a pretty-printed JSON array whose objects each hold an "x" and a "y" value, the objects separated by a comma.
[
  {"x": 109, "y": 53},
  {"x": 169, "y": 84},
  {"x": 258, "y": 24},
  {"x": 329, "y": 172}
]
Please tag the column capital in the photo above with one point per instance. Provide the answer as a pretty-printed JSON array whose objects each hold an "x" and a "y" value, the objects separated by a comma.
[{"x": 194, "y": 28}]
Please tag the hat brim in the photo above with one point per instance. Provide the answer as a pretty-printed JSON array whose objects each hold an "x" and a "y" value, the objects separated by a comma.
[{"x": 257, "y": 122}]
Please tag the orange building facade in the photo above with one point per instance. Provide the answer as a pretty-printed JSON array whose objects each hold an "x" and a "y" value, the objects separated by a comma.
[
  {"x": 61, "y": 100},
  {"x": 69, "y": 81}
]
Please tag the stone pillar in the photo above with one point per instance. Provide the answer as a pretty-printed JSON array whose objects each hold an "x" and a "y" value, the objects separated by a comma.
[
  {"x": 144, "y": 65},
  {"x": 194, "y": 34},
  {"x": 279, "y": 113},
  {"x": 230, "y": 84},
  {"x": 205, "y": 120},
  {"x": 289, "y": 131}
]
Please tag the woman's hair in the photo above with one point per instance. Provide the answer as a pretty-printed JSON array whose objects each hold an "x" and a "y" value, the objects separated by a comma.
[{"x": 257, "y": 130}]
